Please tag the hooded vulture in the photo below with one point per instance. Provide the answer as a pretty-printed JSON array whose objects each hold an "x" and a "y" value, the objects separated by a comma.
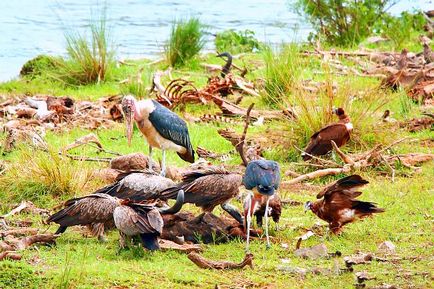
[{"x": 320, "y": 142}]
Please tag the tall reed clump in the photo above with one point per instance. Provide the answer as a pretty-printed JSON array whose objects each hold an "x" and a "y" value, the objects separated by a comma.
[
  {"x": 90, "y": 58},
  {"x": 187, "y": 38},
  {"x": 37, "y": 174},
  {"x": 314, "y": 111},
  {"x": 282, "y": 70}
]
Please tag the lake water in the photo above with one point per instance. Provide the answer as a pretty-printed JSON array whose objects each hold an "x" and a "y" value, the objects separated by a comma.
[{"x": 140, "y": 27}]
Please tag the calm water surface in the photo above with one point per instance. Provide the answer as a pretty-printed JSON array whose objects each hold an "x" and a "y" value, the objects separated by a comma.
[{"x": 140, "y": 27}]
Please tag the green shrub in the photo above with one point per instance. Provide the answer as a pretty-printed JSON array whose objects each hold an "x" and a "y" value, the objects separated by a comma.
[
  {"x": 236, "y": 41},
  {"x": 400, "y": 29},
  {"x": 187, "y": 38},
  {"x": 342, "y": 22},
  {"x": 90, "y": 60},
  {"x": 38, "y": 65}
]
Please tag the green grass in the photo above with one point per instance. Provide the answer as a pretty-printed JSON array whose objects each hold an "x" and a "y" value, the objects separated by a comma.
[
  {"x": 81, "y": 262},
  {"x": 185, "y": 42}
]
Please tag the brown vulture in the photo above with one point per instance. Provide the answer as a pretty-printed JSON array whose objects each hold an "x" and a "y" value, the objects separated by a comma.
[
  {"x": 338, "y": 205},
  {"x": 208, "y": 188},
  {"x": 320, "y": 142},
  {"x": 138, "y": 186}
]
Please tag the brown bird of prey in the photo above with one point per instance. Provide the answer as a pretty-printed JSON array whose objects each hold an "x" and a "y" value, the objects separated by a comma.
[
  {"x": 96, "y": 209},
  {"x": 145, "y": 220},
  {"x": 274, "y": 210},
  {"x": 138, "y": 186},
  {"x": 338, "y": 205},
  {"x": 320, "y": 142},
  {"x": 209, "y": 188}
]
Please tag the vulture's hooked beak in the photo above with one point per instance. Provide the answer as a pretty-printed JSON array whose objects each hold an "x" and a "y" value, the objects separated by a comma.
[
  {"x": 177, "y": 206},
  {"x": 334, "y": 110}
]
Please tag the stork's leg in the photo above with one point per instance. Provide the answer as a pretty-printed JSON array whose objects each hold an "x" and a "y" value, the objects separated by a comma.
[
  {"x": 233, "y": 211},
  {"x": 266, "y": 222},
  {"x": 163, "y": 164},
  {"x": 249, "y": 220},
  {"x": 150, "y": 158}
]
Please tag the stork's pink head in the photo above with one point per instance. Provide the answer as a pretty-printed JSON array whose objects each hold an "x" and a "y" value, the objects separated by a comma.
[{"x": 129, "y": 109}]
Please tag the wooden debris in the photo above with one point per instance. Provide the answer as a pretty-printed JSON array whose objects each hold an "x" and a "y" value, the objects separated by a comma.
[
  {"x": 220, "y": 265},
  {"x": 185, "y": 248},
  {"x": 19, "y": 232},
  {"x": 25, "y": 242},
  {"x": 10, "y": 255},
  {"x": 89, "y": 138},
  {"x": 28, "y": 207},
  {"x": 418, "y": 124}
]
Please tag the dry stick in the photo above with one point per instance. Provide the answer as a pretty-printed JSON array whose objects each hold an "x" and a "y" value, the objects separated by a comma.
[
  {"x": 20, "y": 231},
  {"x": 317, "y": 174},
  {"x": 240, "y": 145},
  {"x": 85, "y": 158},
  {"x": 393, "y": 144},
  {"x": 10, "y": 255},
  {"x": 317, "y": 158},
  {"x": 341, "y": 154},
  {"x": 22, "y": 206},
  {"x": 220, "y": 265},
  {"x": 390, "y": 168}
]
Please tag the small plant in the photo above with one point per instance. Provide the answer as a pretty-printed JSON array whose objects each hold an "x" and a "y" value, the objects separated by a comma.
[
  {"x": 236, "y": 41},
  {"x": 187, "y": 38},
  {"x": 89, "y": 60},
  {"x": 282, "y": 69},
  {"x": 343, "y": 22},
  {"x": 137, "y": 84},
  {"x": 38, "y": 65}
]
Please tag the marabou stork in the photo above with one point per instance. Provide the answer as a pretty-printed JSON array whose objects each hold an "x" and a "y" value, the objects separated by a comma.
[
  {"x": 227, "y": 67},
  {"x": 161, "y": 127},
  {"x": 320, "y": 142},
  {"x": 208, "y": 188},
  {"x": 100, "y": 208},
  {"x": 138, "y": 186},
  {"x": 262, "y": 179},
  {"x": 338, "y": 205}
]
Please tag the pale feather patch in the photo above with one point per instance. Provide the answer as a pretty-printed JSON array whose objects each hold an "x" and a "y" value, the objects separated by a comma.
[
  {"x": 347, "y": 214},
  {"x": 349, "y": 126}
]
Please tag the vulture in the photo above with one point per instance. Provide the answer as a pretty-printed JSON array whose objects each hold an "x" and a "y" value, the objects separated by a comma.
[
  {"x": 320, "y": 142},
  {"x": 337, "y": 204},
  {"x": 138, "y": 186},
  {"x": 274, "y": 210},
  {"x": 161, "y": 127},
  {"x": 262, "y": 179},
  {"x": 88, "y": 210},
  {"x": 144, "y": 220},
  {"x": 208, "y": 188}
]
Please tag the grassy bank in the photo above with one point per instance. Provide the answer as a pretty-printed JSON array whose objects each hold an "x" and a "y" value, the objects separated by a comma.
[{"x": 82, "y": 262}]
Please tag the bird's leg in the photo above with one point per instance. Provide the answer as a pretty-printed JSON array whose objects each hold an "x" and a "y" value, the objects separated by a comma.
[
  {"x": 163, "y": 164},
  {"x": 122, "y": 240},
  {"x": 150, "y": 158},
  {"x": 266, "y": 222},
  {"x": 248, "y": 220},
  {"x": 233, "y": 211}
]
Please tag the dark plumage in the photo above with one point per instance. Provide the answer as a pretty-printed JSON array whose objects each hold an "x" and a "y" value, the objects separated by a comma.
[
  {"x": 338, "y": 205},
  {"x": 402, "y": 62},
  {"x": 263, "y": 176},
  {"x": 428, "y": 54},
  {"x": 227, "y": 67},
  {"x": 88, "y": 210},
  {"x": 208, "y": 188},
  {"x": 320, "y": 142},
  {"x": 138, "y": 186},
  {"x": 170, "y": 126}
]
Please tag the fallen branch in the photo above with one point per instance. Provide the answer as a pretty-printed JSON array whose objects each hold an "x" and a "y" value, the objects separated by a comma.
[
  {"x": 240, "y": 146},
  {"x": 28, "y": 206},
  {"x": 26, "y": 242},
  {"x": 318, "y": 174},
  {"x": 220, "y": 265},
  {"x": 185, "y": 248},
  {"x": 10, "y": 255},
  {"x": 18, "y": 232},
  {"x": 341, "y": 154}
]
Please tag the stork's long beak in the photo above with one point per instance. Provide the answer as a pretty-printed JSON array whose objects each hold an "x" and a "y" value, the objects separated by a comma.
[{"x": 129, "y": 120}]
